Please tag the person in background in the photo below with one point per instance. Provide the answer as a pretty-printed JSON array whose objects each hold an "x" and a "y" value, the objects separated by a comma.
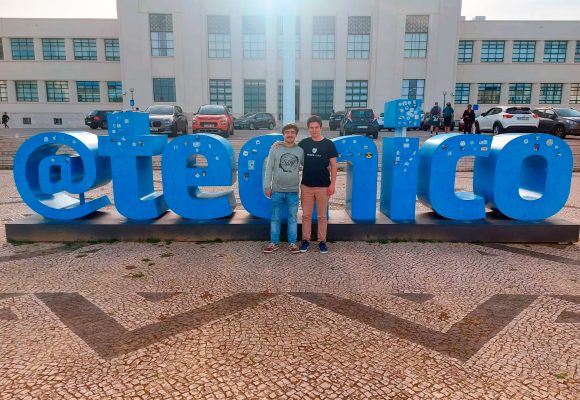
[
  {"x": 5, "y": 119},
  {"x": 468, "y": 119},
  {"x": 448, "y": 114},
  {"x": 435, "y": 119}
]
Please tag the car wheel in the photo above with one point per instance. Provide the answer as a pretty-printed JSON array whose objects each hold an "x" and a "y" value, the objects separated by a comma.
[
  {"x": 94, "y": 126},
  {"x": 497, "y": 129},
  {"x": 560, "y": 132},
  {"x": 232, "y": 130},
  {"x": 252, "y": 126},
  {"x": 477, "y": 130},
  {"x": 104, "y": 125},
  {"x": 271, "y": 126},
  {"x": 226, "y": 134}
]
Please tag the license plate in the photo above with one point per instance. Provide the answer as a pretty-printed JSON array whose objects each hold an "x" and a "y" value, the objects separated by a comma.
[
  {"x": 362, "y": 126},
  {"x": 523, "y": 118},
  {"x": 207, "y": 124}
]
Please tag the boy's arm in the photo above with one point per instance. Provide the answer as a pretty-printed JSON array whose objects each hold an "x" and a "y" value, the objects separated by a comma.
[
  {"x": 269, "y": 172},
  {"x": 333, "y": 173}
]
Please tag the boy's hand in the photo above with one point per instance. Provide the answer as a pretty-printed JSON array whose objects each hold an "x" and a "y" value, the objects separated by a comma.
[
  {"x": 330, "y": 190},
  {"x": 268, "y": 193},
  {"x": 277, "y": 144}
]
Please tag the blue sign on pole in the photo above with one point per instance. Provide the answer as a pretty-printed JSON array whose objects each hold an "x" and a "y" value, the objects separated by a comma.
[
  {"x": 475, "y": 107},
  {"x": 132, "y": 103}
]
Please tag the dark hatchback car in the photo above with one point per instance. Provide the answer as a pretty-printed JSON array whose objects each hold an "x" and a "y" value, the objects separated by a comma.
[
  {"x": 255, "y": 121},
  {"x": 559, "y": 121},
  {"x": 167, "y": 119},
  {"x": 97, "y": 119},
  {"x": 360, "y": 121},
  {"x": 334, "y": 120}
]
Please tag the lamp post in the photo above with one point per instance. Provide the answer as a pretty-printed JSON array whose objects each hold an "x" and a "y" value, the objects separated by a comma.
[
  {"x": 132, "y": 102},
  {"x": 444, "y": 96}
]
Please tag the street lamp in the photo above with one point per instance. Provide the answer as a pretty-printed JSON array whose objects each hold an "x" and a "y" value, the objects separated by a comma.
[{"x": 444, "y": 96}]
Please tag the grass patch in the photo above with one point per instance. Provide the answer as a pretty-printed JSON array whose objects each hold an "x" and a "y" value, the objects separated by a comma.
[
  {"x": 168, "y": 242},
  {"x": 165, "y": 255},
  {"x": 138, "y": 274},
  {"x": 19, "y": 242}
]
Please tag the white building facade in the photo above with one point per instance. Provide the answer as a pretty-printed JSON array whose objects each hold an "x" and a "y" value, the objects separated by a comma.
[{"x": 194, "y": 52}]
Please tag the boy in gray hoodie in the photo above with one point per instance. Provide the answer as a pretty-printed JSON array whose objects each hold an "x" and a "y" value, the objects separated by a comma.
[{"x": 281, "y": 184}]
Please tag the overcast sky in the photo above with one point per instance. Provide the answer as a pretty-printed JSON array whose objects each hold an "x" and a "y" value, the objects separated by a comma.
[{"x": 492, "y": 9}]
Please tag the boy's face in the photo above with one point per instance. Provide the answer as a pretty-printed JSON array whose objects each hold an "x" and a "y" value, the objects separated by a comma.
[
  {"x": 289, "y": 136},
  {"x": 314, "y": 129}
]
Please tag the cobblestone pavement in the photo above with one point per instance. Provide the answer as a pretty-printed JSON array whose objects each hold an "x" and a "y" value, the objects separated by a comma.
[{"x": 407, "y": 320}]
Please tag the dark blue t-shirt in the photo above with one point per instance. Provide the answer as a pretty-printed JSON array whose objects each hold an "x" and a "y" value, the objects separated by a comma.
[{"x": 317, "y": 157}]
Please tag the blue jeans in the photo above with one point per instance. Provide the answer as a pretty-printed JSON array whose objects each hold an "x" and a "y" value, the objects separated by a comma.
[{"x": 281, "y": 201}]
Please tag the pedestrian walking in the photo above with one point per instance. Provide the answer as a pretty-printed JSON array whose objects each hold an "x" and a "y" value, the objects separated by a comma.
[
  {"x": 5, "y": 119},
  {"x": 435, "y": 119},
  {"x": 468, "y": 119},
  {"x": 448, "y": 114}
]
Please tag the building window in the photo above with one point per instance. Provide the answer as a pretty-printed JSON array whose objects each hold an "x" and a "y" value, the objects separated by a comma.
[
  {"x": 161, "y": 29},
  {"x": 574, "y": 93},
  {"x": 254, "y": 37},
  {"x": 281, "y": 100},
  {"x": 520, "y": 93},
  {"x": 1, "y": 50},
  {"x": 492, "y": 50},
  {"x": 218, "y": 36},
  {"x": 164, "y": 89},
  {"x": 112, "y": 52},
  {"x": 26, "y": 90},
  {"x": 281, "y": 38},
  {"x": 555, "y": 51},
  {"x": 88, "y": 92},
  {"x": 115, "y": 92},
  {"x": 85, "y": 49},
  {"x": 53, "y": 49},
  {"x": 356, "y": 94},
  {"x": 551, "y": 93},
  {"x": 27, "y": 121},
  {"x": 254, "y": 96},
  {"x": 22, "y": 49},
  {"x": 462, "y": 93},
  {"x": 57, "y": 121},
  {"x": 577, "y": 53},
  {"x": 489, "y": 93},
  {"x": 220, "y": 92},
  {"x": 524, "y": 51},
  {"x": 413, "y": 89},
  {"x": 359, "y": 37},
  {"x": 323, "y": 38},
  {"x": 3, "y": 91},
  {"x": 465, "y": 52},
  {"x": 57, "y": 91},
  {"x": 416, "y": 36},
  {"x": 322, "y": 98}
]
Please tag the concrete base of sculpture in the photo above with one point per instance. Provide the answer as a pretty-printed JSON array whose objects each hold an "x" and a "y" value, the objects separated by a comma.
[{"x": 242, "y": 226}]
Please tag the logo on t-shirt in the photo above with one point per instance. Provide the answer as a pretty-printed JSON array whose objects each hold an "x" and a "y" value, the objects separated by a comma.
[
  {"x": 314, "y": 150},
  {"x": 289, "y": 162}
]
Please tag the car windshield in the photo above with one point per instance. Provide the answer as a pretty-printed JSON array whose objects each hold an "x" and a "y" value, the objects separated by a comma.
[
  {"x": 160, "y": 110},
  {"x": 249, "y": 115},
  {"x": 362, "y": 114},
  {"x": 567, "y": 112},
  {"x": 93, "y": 113},
  {"x": 211, "y": 110},
  {"x": 518, "y": 110}
]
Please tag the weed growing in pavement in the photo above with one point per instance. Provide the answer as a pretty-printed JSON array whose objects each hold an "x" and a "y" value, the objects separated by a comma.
[
  {"x": 145, "y": 260},
  {"x": 136, "y": 275},
  {"x": 165, "y": 255}
]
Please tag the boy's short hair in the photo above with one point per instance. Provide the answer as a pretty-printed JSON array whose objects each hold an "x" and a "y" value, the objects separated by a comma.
[
  {"x": 314, "y": 118},
  {"x": 290, "y": 126}
]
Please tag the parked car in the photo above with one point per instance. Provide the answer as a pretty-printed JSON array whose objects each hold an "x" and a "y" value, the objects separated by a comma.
[
  {"x": 97, "y": 119},
  {"x": 167, "y": 119},
  {"x": 213, "y": 118},
  {"x": 502, "y": 119},
  {"x": 255, "y": 121},
  {"x": 559, "y": 121},
  {"x": 360, "y": 121},
  {"x": 334, "y": 120}
]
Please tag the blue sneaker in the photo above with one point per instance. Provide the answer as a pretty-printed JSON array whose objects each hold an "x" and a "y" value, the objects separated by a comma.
[
  {"x": 304, "y": 246},
  {"x": 323, "y": 247}
]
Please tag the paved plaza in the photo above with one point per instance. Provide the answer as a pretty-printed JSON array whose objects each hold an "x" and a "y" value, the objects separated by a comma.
[{"x": 214, "y": 320}]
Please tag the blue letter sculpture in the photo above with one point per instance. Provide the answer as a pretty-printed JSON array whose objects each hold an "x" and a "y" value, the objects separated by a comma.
[
  {"x": 361, "y": 156},
  {"x": 526, "y": 177},
  {"x": 183, "y": 174},
  {"x": 131, "y": 148},
  {"x": 251, "y": 174},
  {"x": 438, "y": 163},
  {"x": 42, "y": 177}
]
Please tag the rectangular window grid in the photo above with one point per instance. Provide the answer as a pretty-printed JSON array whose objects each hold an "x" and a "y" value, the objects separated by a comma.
[
  {"x": 27, "y": 121},
  {"x": 551, "y": 93},
  {"x": 574, "y": 93},
  {"x": 22, "y": 49},
  {"x": 112, "y": 52},
  {"x": 254, "y": 96},
  {"x": 322, "y": 98},
  {"x": 220, "y": 92},
  {"x": 218, "y": 36},
  {"x": 53, "y": 49},
  {"x": 115, "y": 92},
  {"x": 520, "y": 93},
  {"x": 161, "y": 30},
  {"x": 577, "y": 52},
  {"x": 416, "y": 45},
  {"x": 1, "y": 50},
  {"x": 3, "y": 91},
  {"x": 26, "y": 90},
  {"x": 555, "y": 51},
  {"x": 164, "y": 89},
  {"x": 413, "y": 89},
  {"x": 524, "y": 51},
  {"x": 489, "y": 93},
  {"x": 323, "y": 47},
  {"x": 57, "y": 121},
  {"x": 356, "y": 94},
  {"x": 462, "y": 91},
  {"x": 492, "y": 50},
  {"x": 85, "y": 49},
  {"x": 88, "y": 92},
  {"x": 465, "y": 51},
  {"x": 358, "y": 46},
  {"x": 254, "y": 46},
  {"x": 281, "y": 99},
  {"x": 57, "y": 91}
]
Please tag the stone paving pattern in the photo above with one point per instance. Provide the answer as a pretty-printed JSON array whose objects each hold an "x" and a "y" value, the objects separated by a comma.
[{"x": 167, "y": 320}]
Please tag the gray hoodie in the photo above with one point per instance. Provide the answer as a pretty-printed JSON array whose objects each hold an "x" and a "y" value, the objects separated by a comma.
[{"x": 282, "y": 173}]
